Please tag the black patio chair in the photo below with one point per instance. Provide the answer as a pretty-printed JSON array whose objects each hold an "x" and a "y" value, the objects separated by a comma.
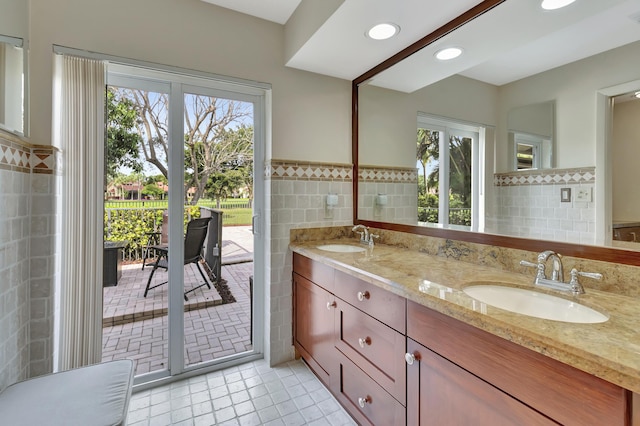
[{"x": 193, "y": 242}]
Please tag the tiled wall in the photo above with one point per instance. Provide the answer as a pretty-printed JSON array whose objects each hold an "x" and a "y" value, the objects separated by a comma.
[
  {"x": 528, "y": 204},
  {"x": 398, "y": 186},
  {"x": 296, "y": 199},
  {"x": 26, "y": 197}
]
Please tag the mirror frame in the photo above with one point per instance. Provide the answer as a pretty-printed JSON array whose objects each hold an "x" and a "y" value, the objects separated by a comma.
[{"x": 606, "y": 254}]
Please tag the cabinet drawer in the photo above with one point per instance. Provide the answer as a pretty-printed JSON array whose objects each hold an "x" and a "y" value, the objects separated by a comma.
[
  {"x": 314, "y": 271},
  {"x": 375, "y": 301},
  {"x": 363, "y": 398},
  {"x": 372, "y": 346}
]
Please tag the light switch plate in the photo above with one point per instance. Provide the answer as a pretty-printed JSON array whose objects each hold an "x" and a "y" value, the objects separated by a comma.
[{"x": 584, "y": 195}]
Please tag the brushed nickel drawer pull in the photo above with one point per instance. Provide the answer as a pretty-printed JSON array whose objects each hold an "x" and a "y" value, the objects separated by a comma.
[
  {"x": 364, "y": 341},
  {"x": 409, "y": 358},
  {"x": 331, "y": 305},
  {"x": 363, "y": 295},
  {"x": 364, "y": 401}
]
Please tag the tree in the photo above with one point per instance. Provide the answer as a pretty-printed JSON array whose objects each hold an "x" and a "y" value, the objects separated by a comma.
[
  {"x": 214, "y": 137},
  {"x": 123, "y": 141},
  {"x": 222, "y": 185},
  {"x": 460, "y": 169},
  {"x": 428, "y": 150},
  {"x": 152, "y": 190}
]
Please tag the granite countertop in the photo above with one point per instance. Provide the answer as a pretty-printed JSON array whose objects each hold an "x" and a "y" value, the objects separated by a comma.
[{"x": 609, "y": 350}]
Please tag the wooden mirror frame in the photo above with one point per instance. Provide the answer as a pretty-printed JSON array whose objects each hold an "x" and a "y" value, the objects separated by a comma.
[{"x": 606, "y": 254}]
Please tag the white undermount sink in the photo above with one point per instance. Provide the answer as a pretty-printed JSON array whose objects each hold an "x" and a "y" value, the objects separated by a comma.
[
  {"x": 534, "y": 304},
  {"x": 341, "y": 248}
]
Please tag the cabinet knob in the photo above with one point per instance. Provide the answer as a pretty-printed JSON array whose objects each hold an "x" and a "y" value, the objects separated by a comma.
[
  {"x": 364, "y": 341},
  {"x": 410, "y": 358},
  {"x": 363, "y": 295},
  {"x": 362, "y": 402},
  {"x": 331, "y": 305}
]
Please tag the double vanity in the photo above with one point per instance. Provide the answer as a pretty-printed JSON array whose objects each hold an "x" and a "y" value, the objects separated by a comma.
[{"x": 400, "y": 336}]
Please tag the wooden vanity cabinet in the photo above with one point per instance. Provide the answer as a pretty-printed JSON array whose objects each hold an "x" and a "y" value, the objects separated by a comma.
[
  {"x": 313, "y": 325},
  {"x": 361, "y": 359},
  {"x": 354, "y": 336},
  {"x": 441, "y": 393},
  {"x": 474, "y": 364}
]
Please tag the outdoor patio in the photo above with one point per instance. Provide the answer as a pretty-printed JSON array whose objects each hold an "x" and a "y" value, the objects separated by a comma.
[{"x": 135, "y": 327}]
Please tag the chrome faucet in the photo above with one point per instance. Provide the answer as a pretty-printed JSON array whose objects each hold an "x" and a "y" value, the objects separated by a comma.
[
  {"x": 556, "y": 281},
  {"x": 558, "y": 272},
  {"x": 366, "y": 237}
]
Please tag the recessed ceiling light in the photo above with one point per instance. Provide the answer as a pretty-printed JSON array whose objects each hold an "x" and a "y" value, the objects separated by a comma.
[
  {"x": 383, "y": 31},
  {"x": 448, "y": 53},
  {"x": 637, "y": 95},
  {"x": 555, "y": 4}
]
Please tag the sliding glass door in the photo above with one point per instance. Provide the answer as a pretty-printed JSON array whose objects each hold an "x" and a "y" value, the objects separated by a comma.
[{"x": 181, "y": 152}]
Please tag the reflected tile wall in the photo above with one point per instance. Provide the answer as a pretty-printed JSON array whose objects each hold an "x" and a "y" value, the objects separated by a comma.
[
  {"x": 528, "y": 204},
  {"x": 399, "y": 188}
]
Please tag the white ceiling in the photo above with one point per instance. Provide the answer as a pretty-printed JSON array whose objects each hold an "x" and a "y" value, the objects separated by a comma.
[
  {"x": 514, "y": 40},
  {"x": 277, "y": 11}
]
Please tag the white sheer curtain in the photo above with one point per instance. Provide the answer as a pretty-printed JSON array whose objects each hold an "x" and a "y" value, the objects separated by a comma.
[{"x": 80, "y": 131}]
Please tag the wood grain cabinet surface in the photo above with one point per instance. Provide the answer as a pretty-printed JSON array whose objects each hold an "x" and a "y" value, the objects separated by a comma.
[
  {"x": 390, "y": 361},
  {"x": 313, "y": 325}
]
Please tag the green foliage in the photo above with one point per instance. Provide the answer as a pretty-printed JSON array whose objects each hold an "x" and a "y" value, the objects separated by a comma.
[
  {"x": 223, "y": 185},
  {"x": 122, "y": 139},
  {"x": 135, "y": 225},
  {"x": 152, "y": 190}
]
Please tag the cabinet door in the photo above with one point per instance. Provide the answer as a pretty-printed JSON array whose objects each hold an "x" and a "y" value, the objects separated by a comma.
[
  {"x": 441, "y": 393},
  {"x": 313, "y": 326}
]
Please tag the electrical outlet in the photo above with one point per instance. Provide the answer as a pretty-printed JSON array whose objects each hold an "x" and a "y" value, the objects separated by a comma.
[{"x": 584, "y": 195}]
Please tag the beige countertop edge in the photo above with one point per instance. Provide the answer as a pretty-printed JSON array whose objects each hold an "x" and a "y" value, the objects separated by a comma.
[{"x": 604, "y": 350}]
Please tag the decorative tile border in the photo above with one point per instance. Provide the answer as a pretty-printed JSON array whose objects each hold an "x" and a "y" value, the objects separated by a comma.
[
  {"x": 375, "y": 174},
  {"x": 279, "y": 169},
  {"x": 546, "y": 177},
  {"x": 20, "y": 156}
]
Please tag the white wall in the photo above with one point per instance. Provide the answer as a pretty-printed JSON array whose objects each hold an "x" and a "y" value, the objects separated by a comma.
[
  {"x": 388, "y": 118},
  {"x": 573, "y": 87},
  {"x": 311, "y": 114},
  {"x": 14, "y": 19},
  {"x": 625, "y": 153}
]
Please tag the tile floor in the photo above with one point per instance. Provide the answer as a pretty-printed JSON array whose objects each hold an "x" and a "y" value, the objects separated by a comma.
[{"x": 249, "y": 394}]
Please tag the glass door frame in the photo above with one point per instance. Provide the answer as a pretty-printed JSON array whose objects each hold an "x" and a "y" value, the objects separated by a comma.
[{"x": 177, "y": 84}]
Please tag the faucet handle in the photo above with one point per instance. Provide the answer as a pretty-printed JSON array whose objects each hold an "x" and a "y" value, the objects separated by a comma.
[
  {"x": 539, "y": 266},
  {"x": 576, "y": 287},
  {"x": 529, "y": 264}
]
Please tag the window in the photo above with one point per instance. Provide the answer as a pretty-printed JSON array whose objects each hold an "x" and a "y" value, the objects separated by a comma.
[
  {"x": 532, "y": 151},
  {"x": 449, "y": 173}
]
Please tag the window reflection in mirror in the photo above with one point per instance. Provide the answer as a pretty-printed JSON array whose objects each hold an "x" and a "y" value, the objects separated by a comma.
[
  {"x": 531, "y": 130},
  {"x": 12, "y": 79},
  {"x": 448, "y": 194}
]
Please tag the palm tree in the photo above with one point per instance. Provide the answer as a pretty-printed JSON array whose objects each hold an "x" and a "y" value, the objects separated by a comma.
[{"x": 428, "y": 143}]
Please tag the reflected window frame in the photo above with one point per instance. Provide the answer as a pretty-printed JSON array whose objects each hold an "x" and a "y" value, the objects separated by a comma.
[{"x": 11, "y": 99}]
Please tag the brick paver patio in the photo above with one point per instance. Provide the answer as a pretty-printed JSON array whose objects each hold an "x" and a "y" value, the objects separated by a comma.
[{"x": 135, "y": 327}]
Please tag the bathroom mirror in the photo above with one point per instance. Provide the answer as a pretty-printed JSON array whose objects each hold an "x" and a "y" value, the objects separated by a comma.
[
  {"x": 12, "y": 84},
  {"x": 538, "y": 66}
]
